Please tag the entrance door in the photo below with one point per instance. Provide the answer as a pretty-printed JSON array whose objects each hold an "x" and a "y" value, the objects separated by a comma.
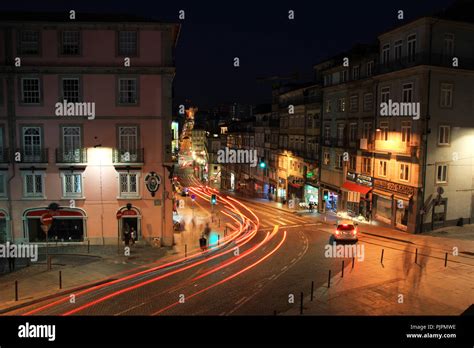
[{"x": 131, "y": 222}]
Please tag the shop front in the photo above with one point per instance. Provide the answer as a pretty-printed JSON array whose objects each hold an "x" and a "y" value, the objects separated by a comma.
[
  {"x": 311, "y": 194},
  {"x": 393, "y": 204},
  {"x": 281, "y": 190},
  {"x": 296, "y": 188},
  {"x": 330, "y": 198},
  {"x": 356, "y": 194}
]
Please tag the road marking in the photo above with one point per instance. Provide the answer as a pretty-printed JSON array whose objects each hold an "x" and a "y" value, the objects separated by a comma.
[
  {"x": 242, "y": 299},
  {"x": 293, "y": 260},
  {"x": 273, "y": 276},
  {"x": 284, "y": 268}
]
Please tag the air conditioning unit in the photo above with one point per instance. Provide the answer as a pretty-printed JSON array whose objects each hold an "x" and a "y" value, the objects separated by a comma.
[{"x": 363, "y": 143}]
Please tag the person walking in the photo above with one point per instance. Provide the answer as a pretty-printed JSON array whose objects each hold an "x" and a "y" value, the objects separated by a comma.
[
  {"x": 126, "y": 236},
  {"x": 133, "y": 235}
]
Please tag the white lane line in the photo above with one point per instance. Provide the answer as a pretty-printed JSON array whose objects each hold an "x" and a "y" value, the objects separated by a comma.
[
  {"x": 284, "y": 268},
  {"x": 242, "y": 299},
  {"x": 293, "y": 260}
]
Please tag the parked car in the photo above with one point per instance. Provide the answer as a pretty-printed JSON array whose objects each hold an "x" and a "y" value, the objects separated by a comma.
[{"x": 346, "y": 230}]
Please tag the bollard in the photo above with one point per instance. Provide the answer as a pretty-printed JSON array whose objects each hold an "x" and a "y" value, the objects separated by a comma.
[
  {"x": 342, "y": 270},
  {"x": 275, "y": 312},
  {"x": 381, "y": 257},
  {"x": 416, "y": 255},
  {"x": 329, "y": 279},
  {"x": 218, "y": 239},
  {"x": 88, "y": 246},
  {"x": 312, "y": 290},
  {"x": 353, "y": 259},
  {"x": 60, "y": 280},
  {"x": 301, "y": 304},
  {"x": 16, "y": 290},
  {"x": 446, "y": 260},
  {"x": 48, "y": 262},
  {"x": 185, "y": 250}
]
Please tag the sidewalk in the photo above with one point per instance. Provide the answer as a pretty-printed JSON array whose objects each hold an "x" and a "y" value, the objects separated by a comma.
[
  {"x": 396, "y": 287},
  {"x": 77, "y": 270}
]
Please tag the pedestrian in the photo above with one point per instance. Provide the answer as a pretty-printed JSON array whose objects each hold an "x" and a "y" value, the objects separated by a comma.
[
  {"x": 207, "y": 230},
  {"x": 11, "y": 264},
  {"x": 203, "y": 243},
  {"x": 126, "y": 236},
  {"x": 133, "y": 235}
]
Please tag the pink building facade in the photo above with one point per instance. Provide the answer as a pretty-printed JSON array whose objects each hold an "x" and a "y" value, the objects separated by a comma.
[{"x": 92, "y": 161}]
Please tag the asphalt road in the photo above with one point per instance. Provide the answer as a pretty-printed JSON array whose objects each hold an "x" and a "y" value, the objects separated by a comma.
[{"x": 277, "y": 262}]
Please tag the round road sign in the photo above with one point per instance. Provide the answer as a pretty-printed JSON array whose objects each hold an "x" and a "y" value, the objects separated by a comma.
[
  {"x": 46, "y": 219},
  {"x": 119, "y": 215}
]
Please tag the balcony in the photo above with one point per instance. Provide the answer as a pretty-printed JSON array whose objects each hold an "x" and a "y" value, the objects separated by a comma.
[
  {"x": 5, "y": 155},
  {"x": 34, "y": 155},
  {"x": 71, "y": 156},
  {"x": 128, "y": 155}
]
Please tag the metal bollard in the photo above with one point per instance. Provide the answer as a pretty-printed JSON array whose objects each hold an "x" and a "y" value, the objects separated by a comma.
[
  {"x": 329, "y": 279},
  {"x": 60, "y": 280},
  {"x": 342, "y": 270},
  {"x": 416, "y": 255},
  {"x": 301, "y": 304},
  {"x": 312, "y": 290},
  {"x": 353, "y": 260},
  {"x": 16, "y": 290},
  {"x": 446, "y": 260},
  {"x": 381, "y": 257}
]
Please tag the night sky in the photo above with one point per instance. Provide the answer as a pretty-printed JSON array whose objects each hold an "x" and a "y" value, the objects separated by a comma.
[{"x": 258, "y": 32}]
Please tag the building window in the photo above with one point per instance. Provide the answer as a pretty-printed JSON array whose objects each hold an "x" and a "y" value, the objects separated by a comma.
[
  {"x": 370, "y": 68},
  {"x": 341, "y": 104},
  {"x": 366, "y": 165},
  {"x": 33, "y": 185},
  {"x": 441, "y": 173},
  {"x": 368, "y": 102},
  {"x": 356, "y": 72},
  {"x": 71, "y": 144},
  {"x": 344, "y": 76},
  {"x": 29, "y": 42},
  {"x": 404, "y": 172},
  {"x": 3, "y": 191},
  {"x": 30, "y": 90},
  {"x": 383, "y": 131},
  {"x": 386, "y": 54},
  {"x": 383, "y": 168},
  {"x": 327, "y": 158},
  {"x": 406, "y": 132},
  {"x": 328, "y": 105},
  {"x": 411, "y": 47},
  {"x": 340, "y": 161},
  {"x": 32, "y": 144},
  {"x": 398, "y": 50},
  {"x": 70, "y": 43},
  {"x": 448, "y": 47},
  {"x": 353, "y": 132},
  {"x": 128, "y": 184},
  {"x": 127, "y": 43},
  {"x": 128, "y": 93},
  {"x": 340, "y": 133},
  {"x": 444, "y": 135},
  {"x": 367, "y": 130},
  {"x": 385, "y": 94},
  {"x": 72, "y": 185},
  {"x": 71, "y": 89},
  {"x": 354, "y": 103},
  {"x": 446, "y": 95},
  {"x": 352, "y": 162},
  {"x": 407, "y": 92}
]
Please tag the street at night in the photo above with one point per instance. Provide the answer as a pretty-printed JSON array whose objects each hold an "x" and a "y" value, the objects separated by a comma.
[{"x": 184, "y": 169}]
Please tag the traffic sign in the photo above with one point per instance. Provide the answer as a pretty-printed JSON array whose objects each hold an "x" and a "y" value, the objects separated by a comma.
[
  {"x": 119, "y": 215},
  {"x": 45, "y": 228},
  {"x": 46, "y": 219}
]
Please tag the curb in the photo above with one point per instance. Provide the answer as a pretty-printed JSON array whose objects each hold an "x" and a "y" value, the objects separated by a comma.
[{"x": 48, "y": 297}]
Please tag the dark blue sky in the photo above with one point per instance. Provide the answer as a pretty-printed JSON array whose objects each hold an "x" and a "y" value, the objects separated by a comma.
[{"x": 258, "y": 32}]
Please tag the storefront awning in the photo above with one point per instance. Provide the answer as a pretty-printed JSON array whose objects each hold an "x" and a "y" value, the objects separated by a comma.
[{"x": 350, "y": 186}]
